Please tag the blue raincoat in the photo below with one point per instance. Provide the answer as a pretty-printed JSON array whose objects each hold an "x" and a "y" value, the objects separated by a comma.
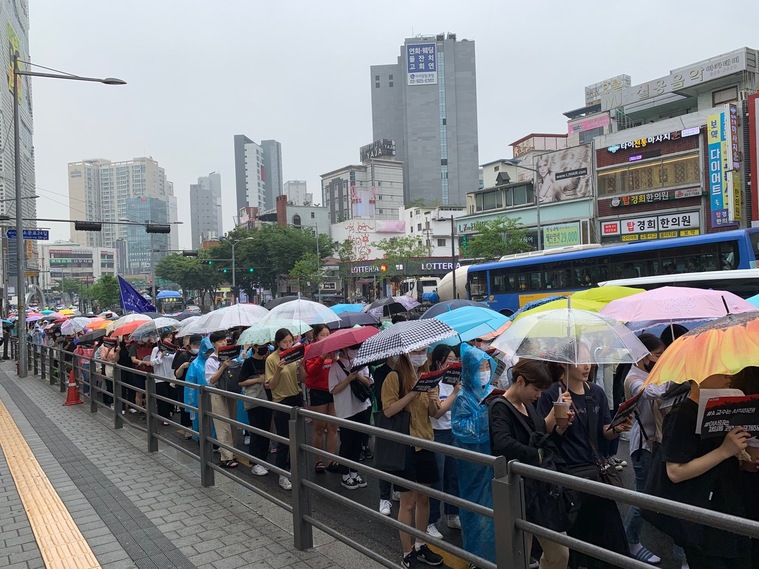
[
  {"x": 469, "y": 423},
  {"x": 196, "y": 374}
]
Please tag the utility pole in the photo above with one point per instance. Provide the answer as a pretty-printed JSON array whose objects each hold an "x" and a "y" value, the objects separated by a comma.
[{"x": 453, "y": 256}]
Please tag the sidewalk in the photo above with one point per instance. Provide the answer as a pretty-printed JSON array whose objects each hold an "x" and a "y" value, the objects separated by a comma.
[{"x": 137, "y": 509}]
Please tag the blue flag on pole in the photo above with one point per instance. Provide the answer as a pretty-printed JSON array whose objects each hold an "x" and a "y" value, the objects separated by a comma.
[{"x": 133, "y": 300}]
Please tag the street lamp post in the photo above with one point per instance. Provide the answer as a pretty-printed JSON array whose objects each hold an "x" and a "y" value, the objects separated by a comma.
[{"x": 20, "y": 251}]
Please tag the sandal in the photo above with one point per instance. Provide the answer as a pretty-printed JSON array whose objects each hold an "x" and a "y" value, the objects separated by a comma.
[
  {"x": 320, "y": 468},
  {"x": 229, "y": 464},
  {"x": 333, "y": 466}
]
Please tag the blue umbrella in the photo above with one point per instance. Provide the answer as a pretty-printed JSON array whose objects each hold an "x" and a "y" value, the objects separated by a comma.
[
  {"x": 754, "y": 300},
  {"x": 472, "y": 322},
  {"x": 448, "y": 305},
  {"x": 340, "y": 308}
]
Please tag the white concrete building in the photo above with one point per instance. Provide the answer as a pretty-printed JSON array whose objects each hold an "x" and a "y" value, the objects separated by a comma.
[
  {"x": 297, "y": 193},
  {"x": 432, "y": 228},
  {"x": 63, "y": 259}
]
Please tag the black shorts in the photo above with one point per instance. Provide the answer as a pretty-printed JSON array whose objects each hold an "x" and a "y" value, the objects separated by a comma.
[
  {"x": 421, "y": 467},
  {"x": 317, "y": 397}
]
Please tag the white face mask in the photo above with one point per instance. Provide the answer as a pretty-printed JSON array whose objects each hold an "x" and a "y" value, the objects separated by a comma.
[
  {"x": 352, "y": 354},
  {"x": 418, "y": 360},
  {"x": 194, "y": 350},
  {"x": 484, "y": 378}
]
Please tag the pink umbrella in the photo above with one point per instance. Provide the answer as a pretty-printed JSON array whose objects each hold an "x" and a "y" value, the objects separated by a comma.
[{"x": 675, "y": 304}]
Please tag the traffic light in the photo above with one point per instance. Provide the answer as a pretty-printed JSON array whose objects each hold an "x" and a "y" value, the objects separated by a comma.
[
  {"x": 189, "y": 253},
  {"x": 157, "y": 228},
  {"x": 208, "y": 262},
  {"x": 250, "y": 270},
  {"x": 224, "y": 271},
  {"x": 88, "y": 226}
]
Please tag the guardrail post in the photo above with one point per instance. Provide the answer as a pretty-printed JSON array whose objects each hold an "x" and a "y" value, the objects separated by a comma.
[
  {"x": 205, "y": 431},
  {"x": 151, "y": 409},
  {"x": 62, "y": 375},
  {"x": 303, "y": 532},
  {"x": 36, "y": 358},
  {"x": 118, "y": 404},
  {"x": 43, "y": 358},
  {"x": 93, "y": 392},
  {"x": 508, "y": 506}
]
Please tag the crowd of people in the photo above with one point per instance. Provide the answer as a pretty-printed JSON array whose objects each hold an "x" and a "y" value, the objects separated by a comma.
[{"x": 537, "y": 412}]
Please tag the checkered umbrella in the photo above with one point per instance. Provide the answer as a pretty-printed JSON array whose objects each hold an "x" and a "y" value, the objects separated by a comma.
[{"x": 402, "y": 338}]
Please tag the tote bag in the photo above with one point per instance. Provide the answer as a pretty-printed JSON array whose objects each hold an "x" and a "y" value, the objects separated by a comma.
[{"x": 392, "y": 456}]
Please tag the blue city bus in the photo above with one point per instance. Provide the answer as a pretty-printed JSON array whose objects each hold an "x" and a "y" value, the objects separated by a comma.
[
  {"x": 508, "y": 284},
  {"x": 169, "y": 302}
]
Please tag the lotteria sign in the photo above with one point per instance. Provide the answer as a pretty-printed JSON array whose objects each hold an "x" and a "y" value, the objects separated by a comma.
[{"x": 415, "y": 266}]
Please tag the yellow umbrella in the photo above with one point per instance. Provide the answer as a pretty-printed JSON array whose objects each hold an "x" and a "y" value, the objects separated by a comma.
[
  {"x": 605, "y": 294},
  {"x": 66, "y": 312},
  {"x": 581, "y": 304},
  {"x": 98, "y": 323}
]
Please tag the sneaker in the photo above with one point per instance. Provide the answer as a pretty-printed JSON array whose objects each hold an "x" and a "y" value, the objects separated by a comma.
[
  {"x": 432, "y": 531},
  {"x": 367, "y": 453},
  {"x": 259, "y": 470},
  {"x": 360, "y": 481},
  {"x": 534, "y": 563},
  {"x": 454, "y": 522},
  {"x": 618, "y": 461},
  {"x": 410, "y": 561},
  {"x": 284, "y": 482},
  {"x": 385, "y": 507},
  {"x": 396, "y": 496},
  {"x": 132, "y": 410},
  {"x": 428, "y": 557},
  {"x": 349, "y": 483}
]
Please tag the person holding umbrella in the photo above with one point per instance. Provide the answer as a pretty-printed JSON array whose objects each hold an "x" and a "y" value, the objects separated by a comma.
[
  {"x": 320, "y": 399},
  {"x": 282, "y": 379},
  {"x": 352, "y": 402},
  {"x": 421, "y": 467}
]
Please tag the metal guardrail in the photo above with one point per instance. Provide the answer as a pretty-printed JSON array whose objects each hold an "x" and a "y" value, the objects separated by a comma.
[{"x": 508, "y": 512}]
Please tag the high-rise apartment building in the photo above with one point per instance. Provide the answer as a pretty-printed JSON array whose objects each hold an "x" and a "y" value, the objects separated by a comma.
[
  {"x": 258, "y": 172},
  {"x": 205, "y": 209},
  {"x": 14, "y": 35},
  {"x": 145, "y": 249},
  {"x": 427, "y": 104},
  {"x": 101, "y": 190},
  {"x": 297, "y": 193}
]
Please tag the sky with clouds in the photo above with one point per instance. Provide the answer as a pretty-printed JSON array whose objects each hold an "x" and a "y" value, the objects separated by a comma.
[{"x": 297, "y": 71}]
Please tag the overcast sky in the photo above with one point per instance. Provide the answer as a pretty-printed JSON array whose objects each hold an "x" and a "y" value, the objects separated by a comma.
[{"x": 297, "y": 71}]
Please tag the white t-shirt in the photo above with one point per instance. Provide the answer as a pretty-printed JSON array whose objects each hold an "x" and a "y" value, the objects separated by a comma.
[
  {"x": 346, "y": 405},
  {"x": 634, "y": 381},
  {"x": 161, "y": 362},
  {"x": 444, "y": 422}
]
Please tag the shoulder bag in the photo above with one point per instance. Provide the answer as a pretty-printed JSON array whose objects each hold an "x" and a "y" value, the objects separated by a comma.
[
  {"x": 549, "y": 505},
  {"x": 603, "y": 471},
  {"x": 359, "y": 390},
  {"x": 392, "y": 456},
  {"x": 230, "y": 379}
]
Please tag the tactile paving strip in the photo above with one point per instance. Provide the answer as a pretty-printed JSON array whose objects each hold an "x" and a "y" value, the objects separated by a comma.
[{"x": 61, "y": 543}]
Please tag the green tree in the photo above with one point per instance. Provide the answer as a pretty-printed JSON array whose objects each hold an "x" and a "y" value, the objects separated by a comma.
[
  {"x": 106, "y": 291},
  {"x": 498, "y": 237},
  {"x": 401, "y": 254},
  {"x": 191, "y": 273},
  {"x": 306, "y": 272},
  {"x": 69, "y": 285},
  {"x": 347, "y": 256}
]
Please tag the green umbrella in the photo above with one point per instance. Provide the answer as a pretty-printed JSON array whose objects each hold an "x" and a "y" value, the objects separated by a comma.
[{"x": 263, "y": 334}]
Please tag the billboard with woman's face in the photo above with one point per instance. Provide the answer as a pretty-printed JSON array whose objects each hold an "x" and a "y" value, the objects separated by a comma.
[{"x": 565, "y": 174}]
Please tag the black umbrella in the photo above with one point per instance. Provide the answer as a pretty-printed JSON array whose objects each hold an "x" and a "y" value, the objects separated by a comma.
[
  {"x": 351, "y": 319},
  {"x": 277, "y": 301},
  {"x": 90, "y": 337},
  {"x": 448, "y": 305},
  {"x": 385, "y": 307},
  {"x": 186, "y": 314}
]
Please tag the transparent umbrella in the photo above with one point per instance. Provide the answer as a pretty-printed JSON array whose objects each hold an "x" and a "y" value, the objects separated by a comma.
[
  {"x": 304, "y": 310},
  {"x": 571, "y": 336},
  {"x": 235, "y": 316},
  {"x": 261, "y": 333}
]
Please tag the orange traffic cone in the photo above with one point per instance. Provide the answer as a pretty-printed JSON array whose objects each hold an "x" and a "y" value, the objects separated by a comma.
[{"x": 72, "y": 395}]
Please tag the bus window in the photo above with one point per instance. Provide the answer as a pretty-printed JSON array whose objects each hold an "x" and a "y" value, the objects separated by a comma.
[
  {"x": 728, "y": 253},
  {"x": 535, "y": 283},
  {"x": 478, "y": 285},
  {"x": 500, "y": 282}
]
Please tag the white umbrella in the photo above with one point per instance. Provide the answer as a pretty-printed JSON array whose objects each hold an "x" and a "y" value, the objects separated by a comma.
[
  {"x": 154, "y": 328},
  {"x": 184, "y": 328},
  {"x": 304, "y": 310},
  {"x": 74, "y": 325},
  {"x": 125, "y": 319},
  {"x": 264, "y": 333},
  {"x": 235, "y": 316}
]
